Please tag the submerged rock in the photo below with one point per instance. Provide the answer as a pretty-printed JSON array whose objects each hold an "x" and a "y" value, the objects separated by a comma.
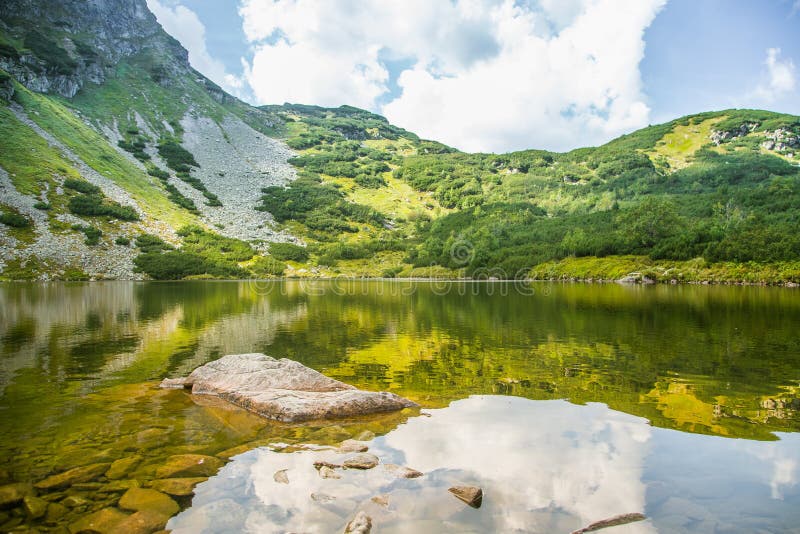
[
  {"x": 281, "y": 477},
  {"x": 361, "y": 524},
  {"x": 188, "y": 466},
  {"x": 34, "y": 506},
  {"x": 179, "y": 487},
  {"x": 469, "y": 494},
  {"x": 148, "y": 500},
  {"x": 362, "y": 460},
  {"x": 12, "y": 494},
  {"x": 319, "y": 464},
  {"x": 67, "y": 478},
  {"x": 283, "y": 389},
  {"x": 105, "y": 521},
  {"x": 143, "y": 522},
  {"x": 402, "y": 472},
  {"x": 381, "y": 500},
  {"x": 327, "y": 472},
  {"x": 351, "y": 445},
  {"x": 623, "y": 519}
]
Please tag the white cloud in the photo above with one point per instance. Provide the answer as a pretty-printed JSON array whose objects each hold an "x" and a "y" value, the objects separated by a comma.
[
  {"x": 780, "y": 77},
  {"x": 183, "y": 24},
  {"x": 488, "y": 75}
]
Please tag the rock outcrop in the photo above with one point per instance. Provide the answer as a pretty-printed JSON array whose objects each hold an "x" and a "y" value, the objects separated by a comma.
[{"x": 283, "y": 389}]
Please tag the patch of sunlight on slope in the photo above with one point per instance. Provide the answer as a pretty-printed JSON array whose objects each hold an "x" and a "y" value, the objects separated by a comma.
[
  {"x": 679, "y": 404},
  {"x": 95, "y": 151},
  {"x": 678, "y": 146},
  {"x": 397, "y": 199}
]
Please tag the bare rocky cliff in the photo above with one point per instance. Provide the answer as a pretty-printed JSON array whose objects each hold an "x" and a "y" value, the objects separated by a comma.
[{"x": 74, "y": 42}]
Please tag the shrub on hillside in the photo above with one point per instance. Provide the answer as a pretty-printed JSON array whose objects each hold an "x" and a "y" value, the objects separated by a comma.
[{"x": 288, "y": 252}]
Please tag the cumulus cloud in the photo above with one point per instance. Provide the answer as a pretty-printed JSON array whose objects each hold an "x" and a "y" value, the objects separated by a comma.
[
  {"x": 489, "y": 75},
  {"x": 183, "y": 24},
  {"x": 780, "y": 77}
]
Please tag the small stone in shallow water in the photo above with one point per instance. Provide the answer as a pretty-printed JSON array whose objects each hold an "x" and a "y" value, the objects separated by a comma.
[
  {"x": 281, "y": 477},
  {"x": 402, "y": 472},
  {"x": 469, "y": 494},
  {"x": 103, "y": 522},
  {"x": 123, "y": 466},
  {"x": 327, "y": 472},
  {"x": 75, "y": 501},
  {"x": 322, "y": 497},
  {"x": 11, "y": 494},
  {"x": 116, "y": 486},
  {"x": 141, "y": 499},
  {"x": 382, "y": 500},
  {"x": 361, "y": 460},
  {"x": 189, "y": 465},
  {"x": 67, "y": 478},
  {"x": 179, "y": 487},
  {"x": 623, "y": 519},
  {"x": 361, "y": 524},
  {"x": 55, "y": 511},
  {"x": 367, "y": 435},
  {"x": 351, "y": 445},
  {"x": 319, "y": 464},
  {"x": 34, "y": 506},
  {"x": 143, "y": 522}
]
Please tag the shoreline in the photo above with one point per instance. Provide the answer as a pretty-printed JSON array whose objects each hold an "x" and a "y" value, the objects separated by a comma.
[{"x": 562, "y": 280}]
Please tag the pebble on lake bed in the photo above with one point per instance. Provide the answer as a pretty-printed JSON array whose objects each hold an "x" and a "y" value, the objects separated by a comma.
[
  {"x": 361, "y": 524},
  {"x": 281, "y": 477},
  {"x": 362, "y": 460},
  {"x": 469, "y": 494}
]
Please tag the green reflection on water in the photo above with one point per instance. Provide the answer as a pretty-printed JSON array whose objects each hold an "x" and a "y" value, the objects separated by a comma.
[{"x": 79, "y": 362}]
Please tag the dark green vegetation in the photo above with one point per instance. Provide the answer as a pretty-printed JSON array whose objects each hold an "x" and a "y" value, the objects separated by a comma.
[
  {"x": 203, "y": 254},
  {"x": 92, "y": 234},
  {"x": 91, "y": 202},
  {"x": 14, "y": 219}
]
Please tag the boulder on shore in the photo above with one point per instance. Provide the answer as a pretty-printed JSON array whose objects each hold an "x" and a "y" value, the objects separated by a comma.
[{"x": 283, "y": 389}]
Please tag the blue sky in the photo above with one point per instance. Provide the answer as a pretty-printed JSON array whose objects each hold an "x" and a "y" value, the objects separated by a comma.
[{"x": 498, "y": 75}]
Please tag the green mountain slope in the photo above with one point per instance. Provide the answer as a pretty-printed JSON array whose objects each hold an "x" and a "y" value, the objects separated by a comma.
[
  {"x": 118, "y": 160},
  {"x": 717, "y": 188}
]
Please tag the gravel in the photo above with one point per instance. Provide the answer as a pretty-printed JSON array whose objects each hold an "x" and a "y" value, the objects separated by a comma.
[{"x": 235, "y": 163}]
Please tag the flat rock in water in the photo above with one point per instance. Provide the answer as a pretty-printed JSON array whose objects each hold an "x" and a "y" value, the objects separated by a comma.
[
  {"x": 148, "y": 500},
  {"x": 283, "y": 389},
  {"x": 361, "y": 524},
  {"x": 179, "y": 487},
  {"x": 469, "y": 494},
  {"x": 281, "y": 477},
  {"x": 67, "y": 478},
  {"x": 103, "y": 522},
  {"x": 189, "y": 465},
  {"x": 362, "y": 460}
]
